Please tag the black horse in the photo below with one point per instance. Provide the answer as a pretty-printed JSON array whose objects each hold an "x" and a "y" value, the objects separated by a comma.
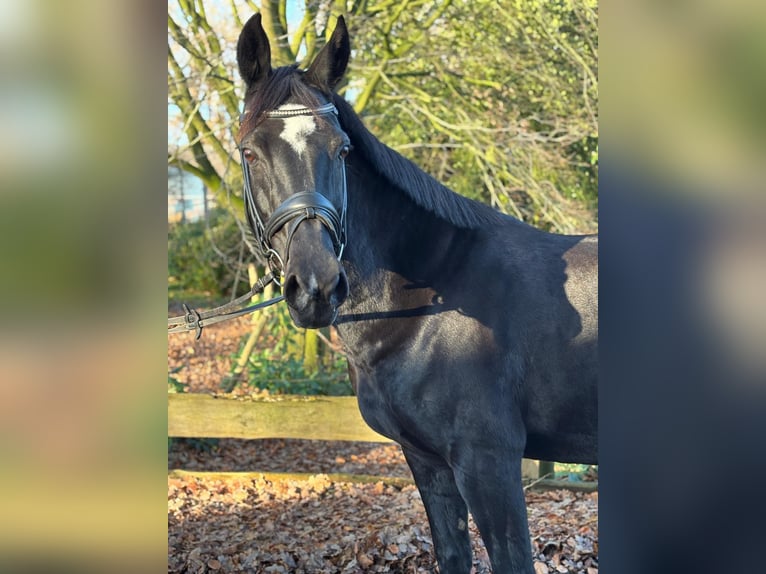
[{"x": 471, "y": 336}]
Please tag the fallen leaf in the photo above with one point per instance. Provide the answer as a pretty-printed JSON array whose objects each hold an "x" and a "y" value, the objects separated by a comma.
[{"x": 364, "y": 560}]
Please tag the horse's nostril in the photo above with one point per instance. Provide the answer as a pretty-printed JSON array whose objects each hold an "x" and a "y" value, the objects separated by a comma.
[
  {"x": 340, "y": 290},
  {"x": 291, "y": 287},
  {"x": 297, "y": 286}
]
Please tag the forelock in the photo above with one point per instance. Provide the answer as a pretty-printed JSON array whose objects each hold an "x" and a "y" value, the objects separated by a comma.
[{"x": 283, "y": 84}]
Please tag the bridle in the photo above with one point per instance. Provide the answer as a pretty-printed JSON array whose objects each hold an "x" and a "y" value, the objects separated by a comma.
[{"x": 296, "y": 209}]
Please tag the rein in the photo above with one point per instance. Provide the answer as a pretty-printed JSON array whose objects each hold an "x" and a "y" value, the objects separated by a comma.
[
  {"x": 193, "y": 320},
  {"x": 291, "y": 212}
]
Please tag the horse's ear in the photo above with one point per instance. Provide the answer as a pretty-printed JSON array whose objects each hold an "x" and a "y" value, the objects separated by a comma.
[
  {"x": 253, "y": 52},
  {"x": 328, "y": 67}
]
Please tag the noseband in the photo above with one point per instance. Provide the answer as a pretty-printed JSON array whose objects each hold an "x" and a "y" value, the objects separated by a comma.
[{"x": 297, "y": 208}]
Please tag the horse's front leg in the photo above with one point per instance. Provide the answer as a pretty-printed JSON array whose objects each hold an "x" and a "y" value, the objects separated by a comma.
[
  {"x": 491, "y": 485},
  {"x": 446, "y": 510}
]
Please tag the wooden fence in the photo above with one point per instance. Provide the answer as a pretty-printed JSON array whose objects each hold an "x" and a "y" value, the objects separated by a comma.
[
  {"x": 291, "y": 417},
  {"x": 308, "y": 417}
]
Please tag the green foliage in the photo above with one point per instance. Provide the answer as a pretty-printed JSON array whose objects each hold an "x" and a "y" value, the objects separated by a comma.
[
  {"x": 203, "y": 257},
  {"x": 499, "y": 102},
  {"x": 282, "y": 374},
  {"x": 290, "y": 360},
  {"x": 286, "y": 339},
  {"x": 174, "y": 385}
]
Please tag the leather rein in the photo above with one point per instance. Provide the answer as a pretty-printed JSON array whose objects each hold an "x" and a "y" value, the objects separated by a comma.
[{"x": 291, "y": 213}]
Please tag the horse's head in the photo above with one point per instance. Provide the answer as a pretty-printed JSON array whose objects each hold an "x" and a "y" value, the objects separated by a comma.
[{"x": 293, "y": 151}]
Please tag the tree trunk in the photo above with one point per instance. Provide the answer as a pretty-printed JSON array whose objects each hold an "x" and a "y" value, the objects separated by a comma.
[
  {"x": 259, "y": 323},
  {"x": 311, "y": 352}
]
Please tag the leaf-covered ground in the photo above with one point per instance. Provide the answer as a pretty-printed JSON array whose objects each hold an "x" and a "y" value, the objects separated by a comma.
[{"x": 318, "y": 526}]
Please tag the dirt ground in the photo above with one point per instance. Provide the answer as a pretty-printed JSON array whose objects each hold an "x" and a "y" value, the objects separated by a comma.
[{"x": 259, "y": 524}]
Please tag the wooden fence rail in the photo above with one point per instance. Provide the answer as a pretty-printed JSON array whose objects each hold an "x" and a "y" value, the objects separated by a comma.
[
  {"x": 195, "y": 415},
  {"x": 318, "y": 418}
]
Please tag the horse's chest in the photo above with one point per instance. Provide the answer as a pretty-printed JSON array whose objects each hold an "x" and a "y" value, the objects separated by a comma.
[
  {"x": 378, "y": 407},
  {"x": 418, "y": 391},
  {"x": 423, "y": 408}
]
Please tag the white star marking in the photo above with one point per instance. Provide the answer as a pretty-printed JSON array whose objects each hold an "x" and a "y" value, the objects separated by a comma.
[{"x": 296, "y": 129}]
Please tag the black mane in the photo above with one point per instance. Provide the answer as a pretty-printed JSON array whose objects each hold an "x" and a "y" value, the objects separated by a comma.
[
  {"x": 400, "y": 172},
  {"x": 288, "y": 83}
]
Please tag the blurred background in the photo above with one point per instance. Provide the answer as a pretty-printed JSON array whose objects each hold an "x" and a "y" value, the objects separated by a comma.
[{"x": 82, "y": 267}]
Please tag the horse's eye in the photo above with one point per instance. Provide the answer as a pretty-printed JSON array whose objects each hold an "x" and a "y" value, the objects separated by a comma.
[
  {"x": 344, "y": 151},
  {"x": 249, "y": 155}
]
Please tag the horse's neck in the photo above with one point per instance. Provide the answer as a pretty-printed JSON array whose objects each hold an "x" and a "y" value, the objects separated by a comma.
[{"x": 395, "y": 258}]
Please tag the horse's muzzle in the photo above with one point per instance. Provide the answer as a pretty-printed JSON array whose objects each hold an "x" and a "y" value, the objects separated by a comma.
[{"x": 313, "y": 302}]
